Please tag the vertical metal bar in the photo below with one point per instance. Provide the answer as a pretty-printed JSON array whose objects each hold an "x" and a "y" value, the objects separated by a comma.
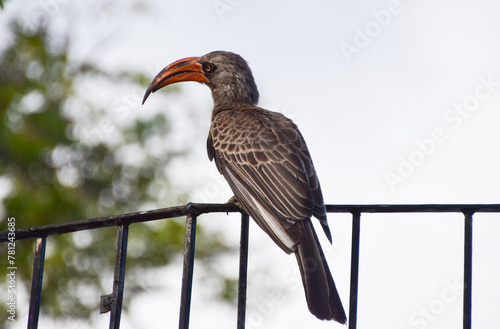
[
  {"x": 467, "y": 309},
  {"x": 353, "y": 296},
  {"x": 36, "y": 283},
  {"x": 187, "y": 271},
  {"x": 119, "y": 278},
  {"x": 242, "y": 280}
]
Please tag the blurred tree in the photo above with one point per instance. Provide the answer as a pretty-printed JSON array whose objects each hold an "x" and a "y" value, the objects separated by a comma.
[{"x": 50, "y": 173}]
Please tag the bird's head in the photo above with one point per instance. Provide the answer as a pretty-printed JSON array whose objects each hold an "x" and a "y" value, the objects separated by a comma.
[{"x": 227, "y": 75}]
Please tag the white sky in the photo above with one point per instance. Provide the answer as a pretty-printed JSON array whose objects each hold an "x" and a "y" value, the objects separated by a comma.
[{"x": 415, "y": 98}]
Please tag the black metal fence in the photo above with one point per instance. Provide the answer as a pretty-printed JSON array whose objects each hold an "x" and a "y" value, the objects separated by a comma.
[{"x": 113, "y": 302}]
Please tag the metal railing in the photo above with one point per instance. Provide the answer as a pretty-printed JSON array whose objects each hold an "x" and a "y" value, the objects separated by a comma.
[{"x": 113, "y": 302}]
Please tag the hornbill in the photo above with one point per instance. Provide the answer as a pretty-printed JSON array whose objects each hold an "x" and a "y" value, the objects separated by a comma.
[{"x": 265, "y": 160}]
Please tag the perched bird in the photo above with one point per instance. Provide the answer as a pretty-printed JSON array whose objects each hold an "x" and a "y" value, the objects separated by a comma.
[{"x": 265, "y": 160}]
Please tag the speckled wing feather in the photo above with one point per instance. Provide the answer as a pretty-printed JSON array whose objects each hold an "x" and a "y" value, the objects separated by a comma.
[{"x": 265, "y": 160}]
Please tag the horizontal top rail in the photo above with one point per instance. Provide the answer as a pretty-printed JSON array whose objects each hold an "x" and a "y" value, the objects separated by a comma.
[
  {"x": 399, "y": 208},
  {"x": 117, "y": 220},
  {"x": 201, "y": 208}
]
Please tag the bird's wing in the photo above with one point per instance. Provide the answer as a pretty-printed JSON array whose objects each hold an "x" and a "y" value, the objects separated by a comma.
[{"x": 265, "y": 161}]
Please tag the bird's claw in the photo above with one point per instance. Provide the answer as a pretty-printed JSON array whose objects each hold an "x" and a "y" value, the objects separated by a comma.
[{"x": 234, "y": 201}]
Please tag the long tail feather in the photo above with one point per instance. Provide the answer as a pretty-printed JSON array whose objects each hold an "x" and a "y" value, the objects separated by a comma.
[{"x": 322, "y": 297}]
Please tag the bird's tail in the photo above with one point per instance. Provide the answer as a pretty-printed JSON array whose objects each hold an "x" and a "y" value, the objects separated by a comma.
[{"x": 322, "y": 297}]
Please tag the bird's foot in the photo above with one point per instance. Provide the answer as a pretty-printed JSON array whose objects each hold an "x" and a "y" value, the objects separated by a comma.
[{"x": 234, "y": 201}]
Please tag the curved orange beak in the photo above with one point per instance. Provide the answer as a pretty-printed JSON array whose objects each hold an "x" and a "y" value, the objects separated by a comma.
[{"x": 186, "y": 69}]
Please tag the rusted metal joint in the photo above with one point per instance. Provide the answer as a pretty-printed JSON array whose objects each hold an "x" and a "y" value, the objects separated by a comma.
[
  {"x": 106, "y": 302},
  {"x": 191, "y": 208}
]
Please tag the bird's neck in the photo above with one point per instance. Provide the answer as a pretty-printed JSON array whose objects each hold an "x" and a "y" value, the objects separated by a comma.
[
  {"x": 230, "y": 106},
  {"x": 236, "y": 93}
]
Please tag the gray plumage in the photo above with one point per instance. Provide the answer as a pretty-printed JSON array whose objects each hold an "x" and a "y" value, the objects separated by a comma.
[{"x": 265, "y": 160}]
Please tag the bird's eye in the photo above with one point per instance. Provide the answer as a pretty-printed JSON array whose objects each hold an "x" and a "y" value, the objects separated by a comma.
[{"x": 208, "y": 67}]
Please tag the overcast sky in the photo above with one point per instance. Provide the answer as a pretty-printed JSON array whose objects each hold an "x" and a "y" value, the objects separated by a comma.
[{"x": 399, "y": 102}]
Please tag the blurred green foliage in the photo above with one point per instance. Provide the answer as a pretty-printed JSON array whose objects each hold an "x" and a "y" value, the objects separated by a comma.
[{"x": 55, "y": 176}]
